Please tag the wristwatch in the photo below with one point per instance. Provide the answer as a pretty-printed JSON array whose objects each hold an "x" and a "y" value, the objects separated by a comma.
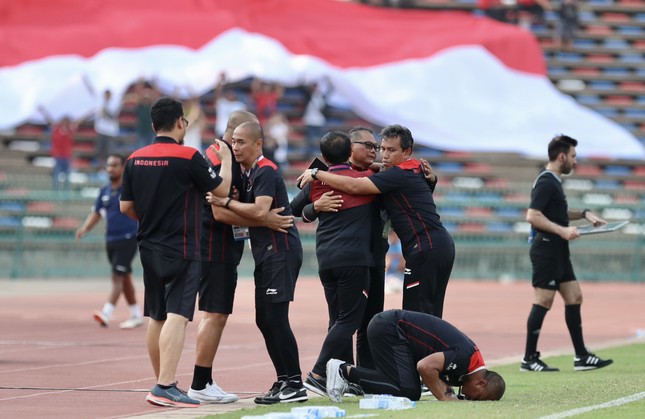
[{"x": 314, "y": 172}]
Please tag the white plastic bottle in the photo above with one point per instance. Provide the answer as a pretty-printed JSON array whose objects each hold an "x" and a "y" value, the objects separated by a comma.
[
  {"x": 320, "y": 411},
  {"x": 385, "y": 401}
]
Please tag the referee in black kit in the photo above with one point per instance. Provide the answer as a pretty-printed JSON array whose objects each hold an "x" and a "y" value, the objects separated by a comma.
[
  {"x": 164, "y": 185},
  {"x": 549, "y": 217}
]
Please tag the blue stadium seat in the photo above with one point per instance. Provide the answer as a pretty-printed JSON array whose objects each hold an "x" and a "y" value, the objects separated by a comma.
[
  {"x": 449, "y": 167},
  {"x": 635, "y": 113},
  {"x": 499, "y": 227},
  {"x": 630, "y": 30},
  {"x": 588, "y": 99},
  {"x": 508, "y": 212},
  {"x": 587, "y": 16},
  {"x": 615, "y": 170},
  {"x": 607, "y": 184},
  {"x": 616, "y": 71},
  {"x": 615, "y": 43},
  {"x": 609, "y": 112},
  {"x": 572, "y": 57},
  {"x": 585, "y": 43},
  {"x": 602, "y": 85}
]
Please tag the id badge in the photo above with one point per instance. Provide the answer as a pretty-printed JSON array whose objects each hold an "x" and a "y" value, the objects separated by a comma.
[{"x": 240, "y": 233}]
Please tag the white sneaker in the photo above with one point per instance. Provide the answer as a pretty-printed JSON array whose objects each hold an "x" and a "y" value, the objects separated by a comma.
[
  {"x": 132, "y": 323},
  {"x": 212, "y": 394},
  {"x": 336, "y": 384},
  {"x": 101, "y": 318}
]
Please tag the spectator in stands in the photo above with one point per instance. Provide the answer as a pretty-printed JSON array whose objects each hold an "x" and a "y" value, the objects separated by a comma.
[
  {"x": 196, "y": 121},
  {"x": 143, "y": 95},
  {"x": 428, "y": 248},
  {"x": 498, "y": 10},
  {"x": 549, "y": 217},
  {"x": 532, "y": 12},
  {"x": 163, "y": 188},
  {"x": 121, "y": 244},
  {"x": 567, "y": 24},
  {"x": 106, "y": 125},
  {"x": 265, "y": 97},
  {"x": 277, "y": 131},
  {"x": 62, "y": 141},
  {"x": 314, "y": 116},
  {"x": 226, "y": 102}
]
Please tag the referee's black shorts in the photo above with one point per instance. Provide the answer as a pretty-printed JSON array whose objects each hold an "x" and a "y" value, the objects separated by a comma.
[
  {"x": 120, "y": 254},
  {"x": 551, "y": 262},
  {"x": 171, "y": 284}
]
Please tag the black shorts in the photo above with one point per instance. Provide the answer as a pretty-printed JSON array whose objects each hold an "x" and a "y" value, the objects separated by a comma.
[
  {"x": 551, "y": 262},
  {"x": 217, "y": 287},
  {"x": 275, "y": 278},
  {"x": 120, "y": 254},
  {"x": 392, "y": 353},
  {"x": 170, "y": 283}
]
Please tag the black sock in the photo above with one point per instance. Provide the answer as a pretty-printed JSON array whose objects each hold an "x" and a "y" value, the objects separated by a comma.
[
  {"x": 573, "y": 318},
  {"x": 201, "y": 377},
  {"x": 295, "y": 382},
  {"x": 533, "y": 328},
  {"x": 166, "y": 387},
  {"x": 282, "y": 378}
]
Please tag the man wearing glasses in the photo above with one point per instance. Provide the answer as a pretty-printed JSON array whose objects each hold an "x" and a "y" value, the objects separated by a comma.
[
  {"x": 428, "y": 248},
  {"x": 164, "y": 185}
]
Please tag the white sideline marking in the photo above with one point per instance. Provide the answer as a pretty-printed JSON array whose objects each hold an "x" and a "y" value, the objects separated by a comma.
[{"x": 613, "y": 403}]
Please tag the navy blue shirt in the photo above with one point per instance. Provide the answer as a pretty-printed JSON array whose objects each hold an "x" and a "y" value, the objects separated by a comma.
[
  {"x": 409, "y": 204},
  {"x": 264, "y": 180},
  {"x": 118, "y": 225},
  {"x": 167, "y": 183}
]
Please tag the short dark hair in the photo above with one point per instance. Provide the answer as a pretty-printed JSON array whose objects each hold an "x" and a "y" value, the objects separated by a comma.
[
  {"x": 355, "y": 132},
  {"x": 560, "y": 144},
  {"x": 496, "y": 385},
  {"x": 120, "y": 157},
  {"x": 165, "y": 112},
  {"x": 404, "y": 134},
  {"x": 336, "y": 147}
]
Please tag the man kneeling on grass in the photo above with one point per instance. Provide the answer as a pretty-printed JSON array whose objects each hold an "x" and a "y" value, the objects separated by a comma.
[{"x": 406, "y": 345}]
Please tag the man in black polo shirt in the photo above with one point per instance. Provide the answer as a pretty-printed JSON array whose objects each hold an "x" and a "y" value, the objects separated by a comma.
[
  {"x": 163, "y": 188},
  {"x": 428, "y": 248},
  {"x": 344, "y": 257},
  {"x": 278, "y": 257},
  {"x": 221, "y": 255},
  {"x": 549, "y": 217},
  {"x": 408, "y": 344}
]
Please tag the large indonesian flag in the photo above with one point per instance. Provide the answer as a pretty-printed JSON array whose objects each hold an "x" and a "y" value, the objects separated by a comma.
[{"x": 459, "y": 82}]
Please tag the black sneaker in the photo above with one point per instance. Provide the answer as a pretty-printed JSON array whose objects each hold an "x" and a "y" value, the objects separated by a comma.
[
  {"x": 317, "y": 385},
  {"x": 590, "y": 362},
  {"x": 271, "y": 394},
  {"x": 533, "y": 363},
  {"x": 353, "y": 390}
]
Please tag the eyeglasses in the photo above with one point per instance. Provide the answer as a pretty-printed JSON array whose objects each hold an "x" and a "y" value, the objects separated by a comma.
[
  {"x": 185, "y": 122},
  {"x": 368, "y": 145}
]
